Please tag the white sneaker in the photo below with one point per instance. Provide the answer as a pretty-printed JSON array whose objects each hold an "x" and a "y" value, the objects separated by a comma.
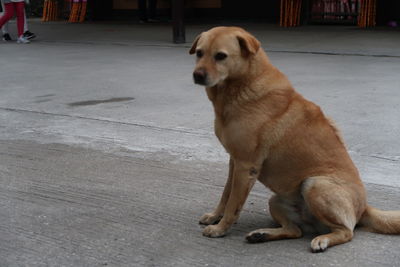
[{"x": 22, "y": 40}]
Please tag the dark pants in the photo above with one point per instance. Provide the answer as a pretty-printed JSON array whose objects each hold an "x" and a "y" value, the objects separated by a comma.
[{"x": 151, "y": 14}]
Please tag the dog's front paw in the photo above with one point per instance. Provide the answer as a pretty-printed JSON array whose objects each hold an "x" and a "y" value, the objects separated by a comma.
[
  {"x": 210, "y": 218},
  {"x": 214, "y": 231}
]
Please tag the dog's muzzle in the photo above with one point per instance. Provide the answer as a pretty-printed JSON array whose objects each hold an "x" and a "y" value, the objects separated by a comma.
[{"x": 200, "y": 77}]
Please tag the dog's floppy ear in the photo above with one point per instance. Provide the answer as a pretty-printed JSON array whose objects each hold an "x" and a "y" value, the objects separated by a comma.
[
  {"x": 248, "y": 44},
  {"x": 194, "y": 45}
]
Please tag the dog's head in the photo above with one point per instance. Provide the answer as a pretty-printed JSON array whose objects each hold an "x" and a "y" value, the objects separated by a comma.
[{"x": 222, "y": 52}]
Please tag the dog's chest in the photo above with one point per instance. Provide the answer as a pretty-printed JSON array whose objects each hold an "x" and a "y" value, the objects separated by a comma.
[
  {"x": 238, "y": 127},
  {"x": 236, "y": 137}
]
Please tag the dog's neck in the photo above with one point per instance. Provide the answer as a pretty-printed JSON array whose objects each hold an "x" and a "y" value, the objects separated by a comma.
[{"x": 260, "y": 79}]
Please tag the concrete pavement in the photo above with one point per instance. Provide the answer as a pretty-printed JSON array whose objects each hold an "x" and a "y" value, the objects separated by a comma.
[{"x": 108, "y": 155}]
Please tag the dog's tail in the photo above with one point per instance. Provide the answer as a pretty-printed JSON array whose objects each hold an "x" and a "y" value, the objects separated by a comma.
[{"x": 379, "y": 221}]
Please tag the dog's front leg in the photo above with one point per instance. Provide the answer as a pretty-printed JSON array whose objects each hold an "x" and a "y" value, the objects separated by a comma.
[
  {"x": 244, "y": 176},
  {"x": 215, "y": 216}
]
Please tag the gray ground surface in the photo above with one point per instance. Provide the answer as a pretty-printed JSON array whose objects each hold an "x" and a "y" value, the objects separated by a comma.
[{"x": 108, "y": 158}]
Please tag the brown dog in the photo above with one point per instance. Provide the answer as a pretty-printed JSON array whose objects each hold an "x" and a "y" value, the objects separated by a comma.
[{"x": 276, "y": 136}]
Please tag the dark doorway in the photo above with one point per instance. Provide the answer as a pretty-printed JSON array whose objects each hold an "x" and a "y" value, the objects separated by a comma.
[
  {"x": 386, "y": 11},
  {"x": 100, "y": 10},
  {"x": 251, "y": 9}
]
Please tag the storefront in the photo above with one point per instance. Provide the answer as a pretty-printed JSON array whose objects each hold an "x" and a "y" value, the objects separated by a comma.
[
  {"x": 313, "y": 11},
  {"x": 286, "y": 13}
]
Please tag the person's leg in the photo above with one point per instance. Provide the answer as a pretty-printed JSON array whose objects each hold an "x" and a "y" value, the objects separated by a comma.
[
  {"x": 20, "y": 7},
  {"x": 27, "y": 34},
  {"x": 25, "y": 22},
  {"x": 5, "y": 26},
  {"x": 8, "y": 13}
]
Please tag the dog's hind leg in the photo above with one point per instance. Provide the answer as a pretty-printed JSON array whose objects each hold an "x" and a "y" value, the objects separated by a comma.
[
  {"x": 282, "y": 212},
  {"x": 335, "y": 204}
]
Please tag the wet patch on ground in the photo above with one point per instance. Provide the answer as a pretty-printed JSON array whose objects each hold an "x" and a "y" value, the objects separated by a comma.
[
  {"x": 48, "y": 95},
  {"x": 102, "y": 101}
]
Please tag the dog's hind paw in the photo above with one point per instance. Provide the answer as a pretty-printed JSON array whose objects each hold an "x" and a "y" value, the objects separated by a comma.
[
  {"x": 256, "y": 237},
  {"x": 319, "y": 244}
]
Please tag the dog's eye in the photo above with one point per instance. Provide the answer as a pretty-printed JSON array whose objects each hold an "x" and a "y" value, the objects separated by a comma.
[
  {"x": 220, "y": 56},
  {"x": 199, "y": 53}
]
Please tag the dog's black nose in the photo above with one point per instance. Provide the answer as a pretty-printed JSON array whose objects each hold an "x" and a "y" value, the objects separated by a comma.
[{"x": 200, "y": 76}]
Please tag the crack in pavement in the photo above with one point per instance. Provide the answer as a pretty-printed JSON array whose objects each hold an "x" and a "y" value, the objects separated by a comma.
[
  {"x": 157, "y": 128},
  {"x": 186, "y": 46},
  {"x": 384, "y": 158}
]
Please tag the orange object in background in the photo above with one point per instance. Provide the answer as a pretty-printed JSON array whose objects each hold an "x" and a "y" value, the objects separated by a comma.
[
  {"x": 290, "y": 13},
  {"x": 367, "y": 17},
  {"x": 78, "y": 11},
  {"x": 50, "y": 10}
]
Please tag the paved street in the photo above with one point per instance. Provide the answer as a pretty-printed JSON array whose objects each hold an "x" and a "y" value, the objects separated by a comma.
[{"x": 108, "y": 157}]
